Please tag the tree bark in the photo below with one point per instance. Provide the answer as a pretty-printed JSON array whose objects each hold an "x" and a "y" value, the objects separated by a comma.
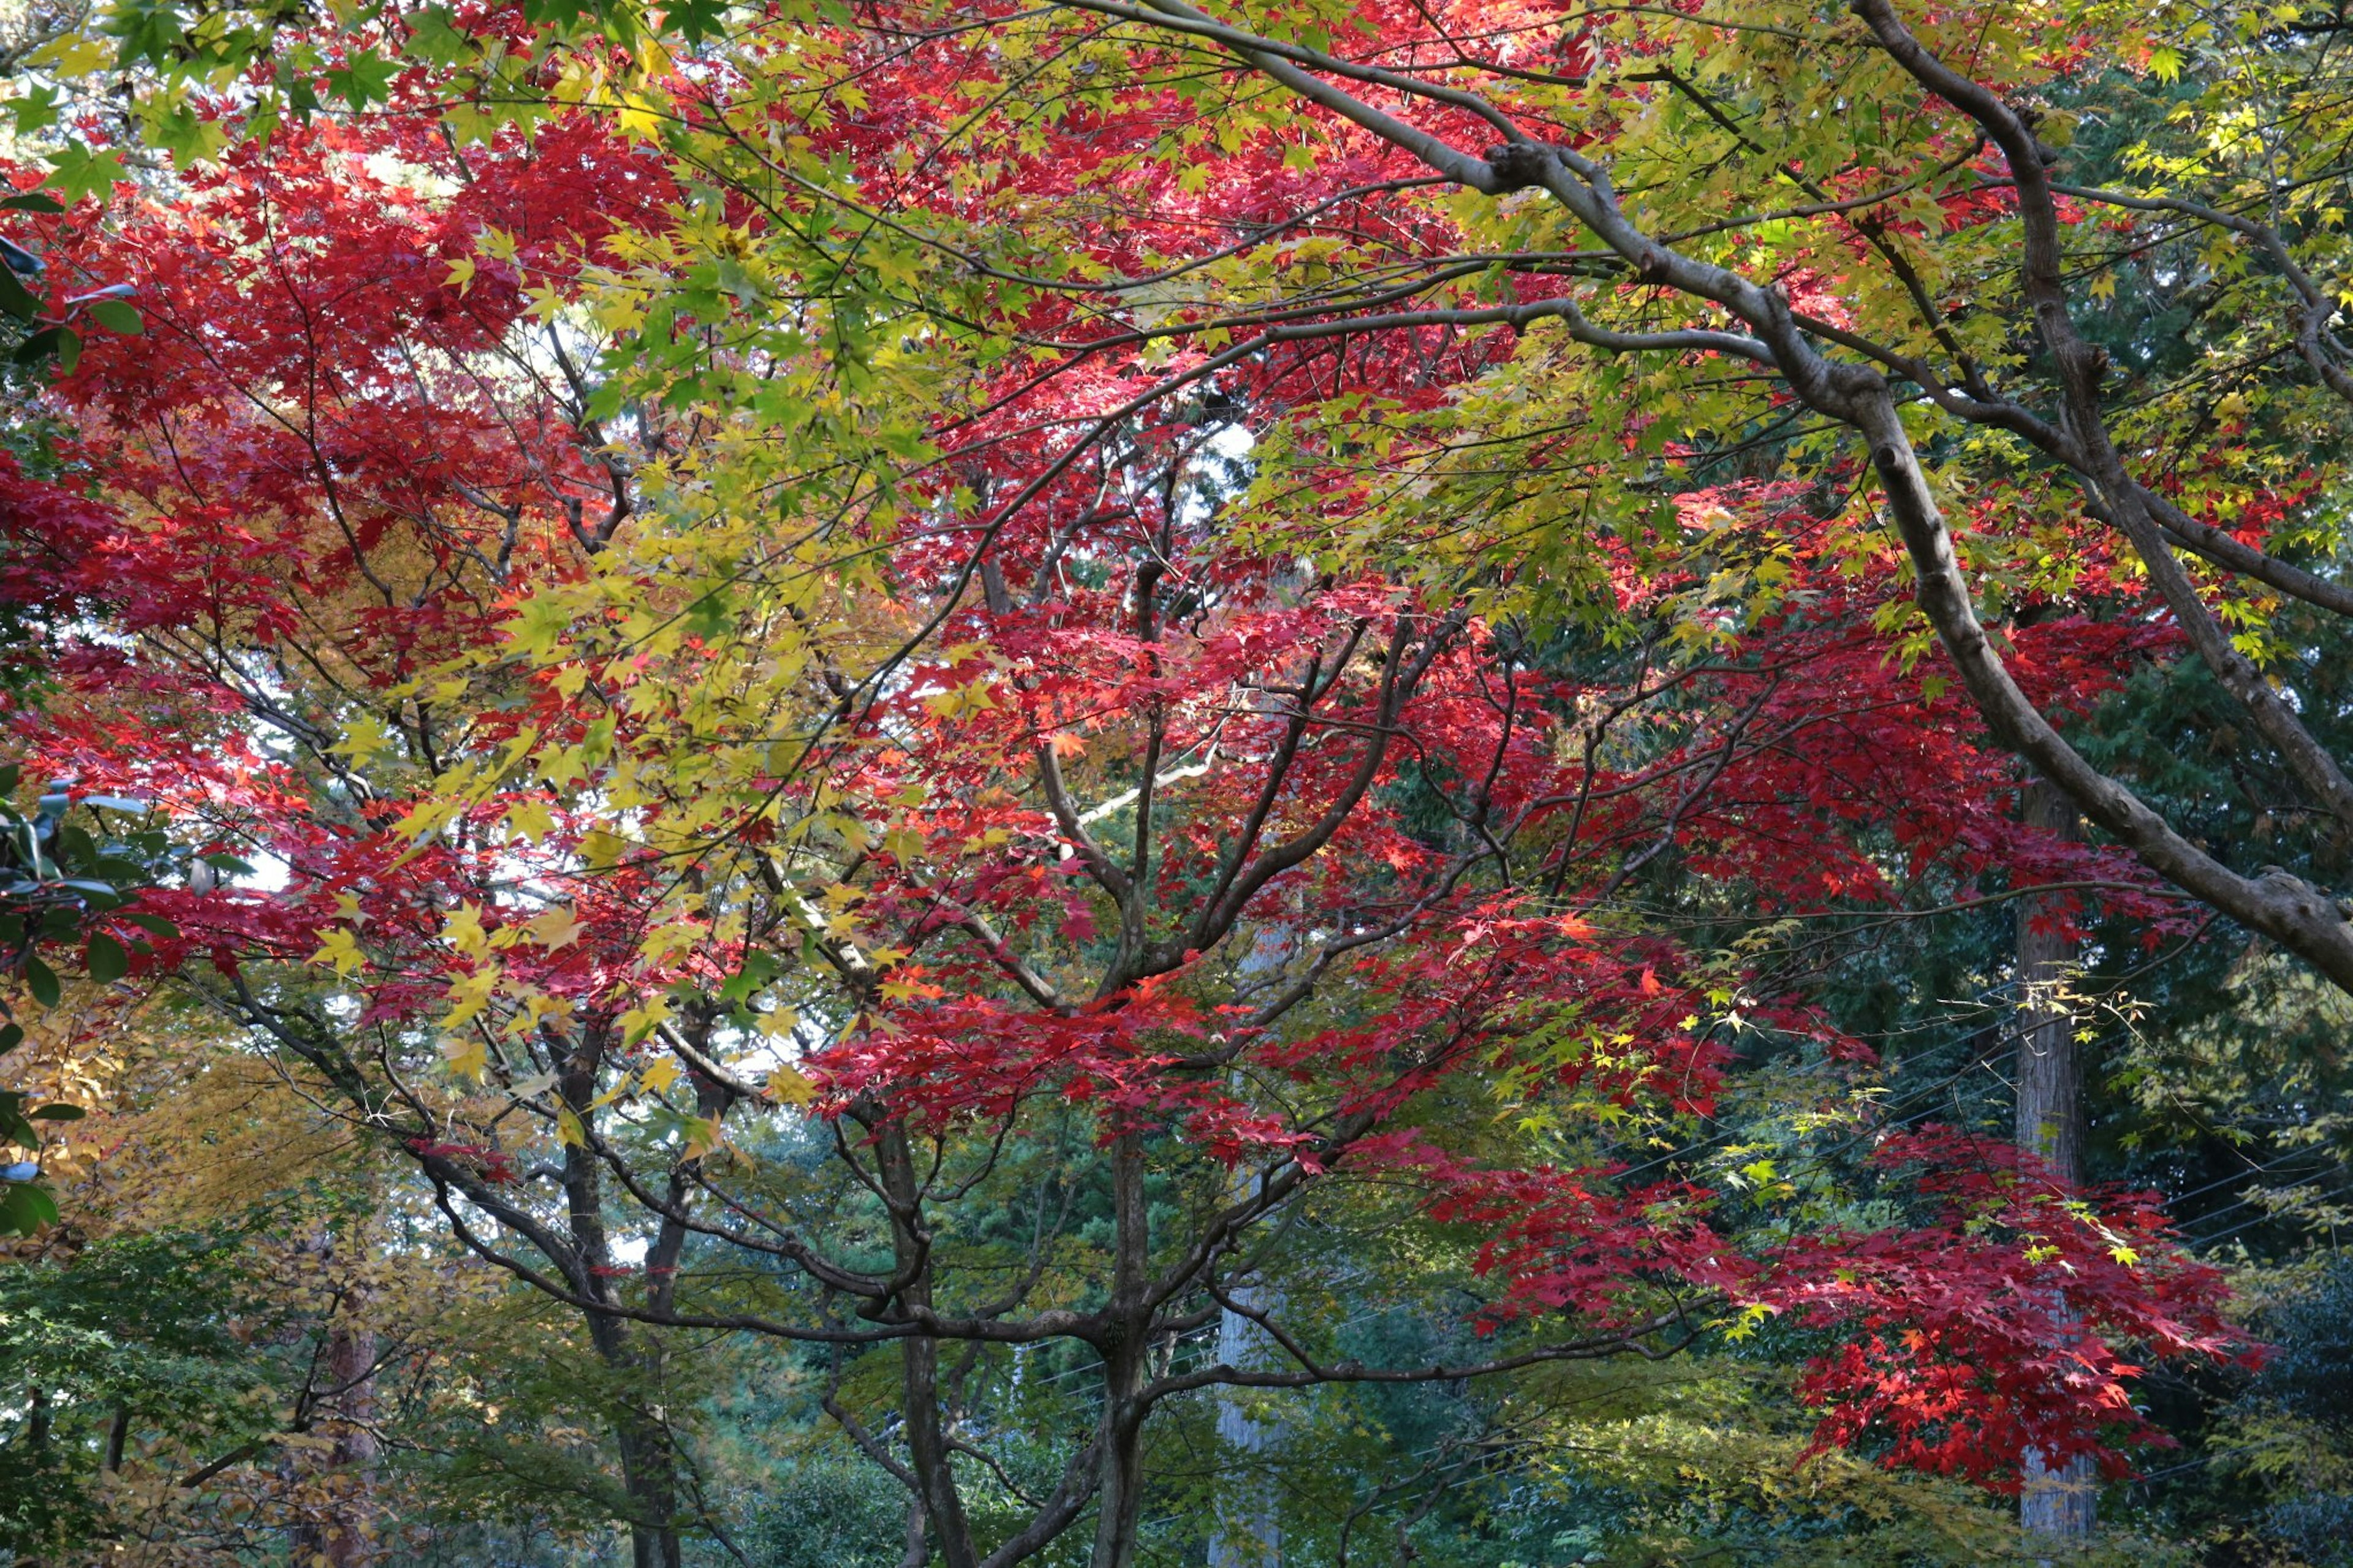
[
  {"x": 1247, "y": 1533},
  {"x": 351, "y": 1362},
  {"x": 1119, "y": 1496},
  {"x": 2058, "y": 1504},
  {"x": 926, "y": 1427},
  {"x": 649, "y": 1467}
]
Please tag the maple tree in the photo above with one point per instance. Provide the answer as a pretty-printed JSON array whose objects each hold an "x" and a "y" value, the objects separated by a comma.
[{"x": 930, "y": 684}]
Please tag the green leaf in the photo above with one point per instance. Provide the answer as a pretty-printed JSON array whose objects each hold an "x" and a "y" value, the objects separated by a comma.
[
  {"x": 116, "y": 317},
  {"x": 364, "y": 79},
  {"x": 92, "y": 888},
  {"x": 76, "y": 171},
  {"x": 34, "y": 111},
  {"x": 433, "y": 40},
  {"x": 42, "y": 981},
  {"x": 25, "y": 1209},
  {"x": 32, "y": 201},
  {"x": 109, "y": 961},
  {"x": 16, "y": 299},
  {"x": 43, "y": 343},
  {"x": 58, "y": 1113}
]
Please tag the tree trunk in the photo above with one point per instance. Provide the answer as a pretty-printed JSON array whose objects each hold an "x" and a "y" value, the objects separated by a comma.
[
  {"x": 649, "y": 1471},
  {"x": 648, "y": 1466},
  {"x": 1247, "y": 1533},
  {"x": 2055, "y": 1505},
  {"x": 337, "y": 1534},
  {"x": 1119, "y": 1498},
  {"x": 351, "y": 1362},
  {"x": 927, "y": 1428}
]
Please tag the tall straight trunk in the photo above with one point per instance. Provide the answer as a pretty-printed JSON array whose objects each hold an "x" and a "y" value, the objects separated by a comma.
[
  {"x": 649, "y": 1472},
  {"x": 648, "y": 1466},
  {"x": 339, "y": 1535},
  {"x": 351, "y": 1361},
  {"x": 2054, "y": 1504},
  {"x": 1247, "y": 1533},
  {"x": 1119, "y": 1498}
]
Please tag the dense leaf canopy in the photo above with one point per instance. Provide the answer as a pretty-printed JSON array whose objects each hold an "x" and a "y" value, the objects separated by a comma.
[{"x": 1185, "y": 778}]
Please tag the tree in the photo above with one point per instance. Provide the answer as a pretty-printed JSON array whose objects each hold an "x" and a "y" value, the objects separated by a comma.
[{"x": 794, "y": 712}]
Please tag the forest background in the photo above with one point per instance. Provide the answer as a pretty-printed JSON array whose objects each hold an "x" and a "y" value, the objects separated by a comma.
[{"x": 1363, "y": 781}]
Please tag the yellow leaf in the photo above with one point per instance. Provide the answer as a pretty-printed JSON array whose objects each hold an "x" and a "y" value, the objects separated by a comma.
[
  {"x": 531, "y": 819},
  {"x": 665, "y": 942},
  {"x": 959, "y": 701},
  {"x": 464, "y": 930},
  {"x": 467, "y": 1057},
  {"x": 553, "y": 928},
  {"x": 338, "y": 948},
  {"x": 568, "y": 1131},
  {"x": 600, "y": 849},
  {"x": 364, "y": 738},
  {"x": 469, "y": 996},
  {"x": 787, "y": 1086},
  {"x": 638, "y": 117},
  {"x": 540, "y": 623},
  {"x": 77, "y": 53},
  {"x": 639, "y": 1022}
]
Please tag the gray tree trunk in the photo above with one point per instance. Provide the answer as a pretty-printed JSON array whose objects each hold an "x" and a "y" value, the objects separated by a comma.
[
  {"x": 1247, "y": 1533},
  {"x": 2055, "y": 1505}
]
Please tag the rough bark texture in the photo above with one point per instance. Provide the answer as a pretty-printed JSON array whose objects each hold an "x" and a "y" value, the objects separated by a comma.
[
  {"x": 2061, "y": 1504},
  {"x": 351, "y": 1361}
]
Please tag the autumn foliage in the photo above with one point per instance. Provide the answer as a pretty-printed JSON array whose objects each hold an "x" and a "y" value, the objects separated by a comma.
[{"x": 960, "y": 596}]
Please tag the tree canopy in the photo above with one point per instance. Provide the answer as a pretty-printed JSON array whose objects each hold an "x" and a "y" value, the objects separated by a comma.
[{"x": 1107, "y": 783}]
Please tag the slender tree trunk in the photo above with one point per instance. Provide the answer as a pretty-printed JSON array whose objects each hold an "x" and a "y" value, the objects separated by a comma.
[
  {"x": 2055, "y": 1505},
  {"x": 1118, "y": 1499},
  {"x": 338, "y": 1535},
  {"x": 1247, "y": 1533},
  {"x": 927, "y": 1427},
  {"x": 648, "y": 1466}
]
